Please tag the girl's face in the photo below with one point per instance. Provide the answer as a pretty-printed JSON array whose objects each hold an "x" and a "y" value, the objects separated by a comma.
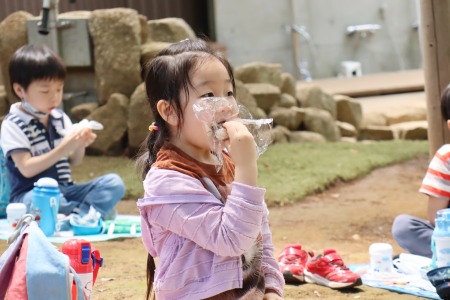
[
  {"x": 209, "y": 79},
  {"x": 44, "y": 95}
]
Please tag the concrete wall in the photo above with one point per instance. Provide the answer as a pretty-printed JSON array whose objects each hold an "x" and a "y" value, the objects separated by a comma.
[{"x": 255, "y": 30}]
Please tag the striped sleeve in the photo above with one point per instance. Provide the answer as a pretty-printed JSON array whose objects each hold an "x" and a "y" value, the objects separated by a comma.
[
  {"x": 14, "y": 135},
  {"x": 436, "y": 182}
]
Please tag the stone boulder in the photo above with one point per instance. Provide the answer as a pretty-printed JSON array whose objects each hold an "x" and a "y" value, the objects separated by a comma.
[
  {"x": 13, "y": 35},
  {"x": 377, "y": 133},
  {"x": 113, "y": 115},
  {"x": 290, "y": 118},
  {"x": 139, "y": 118},
  {"x": 288, "y": 84},
  {"x": 349, "y": 110},
  {"x": 144, "y": 28},
  {"x": 373, "y": 118},
  {"x": 83, "y": 110},
  {"x": 405, "y": 114},
  {"x": 116, "y": 36},
  {"x": 287, "y": 101},
  {"x": 413, "y": 130},
  {"x": 4, "y": 105},
  {"x": 245, "y": 98},
  {"x": 347, "y": 129},
  {"x": 321, "y": 121},
  {"x": 313, "y": 96},
  {"x": 169, "y": 30},
  {"x": 150, "y": 50},
  {"x": 259, "y": 72},
  {"x": 280, "y": 134},
  {"x": 306, "y": 137},
  {"x": 266, "y": 95}
]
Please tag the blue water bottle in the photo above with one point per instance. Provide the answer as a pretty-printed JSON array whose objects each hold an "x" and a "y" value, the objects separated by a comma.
[
  {"x": 45, "y": 204},
  {"x": 441, "y": 235}
]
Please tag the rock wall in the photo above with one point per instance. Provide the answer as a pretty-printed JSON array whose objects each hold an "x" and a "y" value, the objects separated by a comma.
[{"x": 123, "y": 41}]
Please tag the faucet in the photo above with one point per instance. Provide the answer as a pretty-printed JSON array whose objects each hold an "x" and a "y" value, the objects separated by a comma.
[
  {"x": 362, "y": 29},
  {"x": 43, "y": 26},
  {"x": 49, "y": 24}
]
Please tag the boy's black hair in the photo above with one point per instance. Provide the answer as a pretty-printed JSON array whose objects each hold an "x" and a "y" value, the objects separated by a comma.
[{"x": 34, "y": 62}]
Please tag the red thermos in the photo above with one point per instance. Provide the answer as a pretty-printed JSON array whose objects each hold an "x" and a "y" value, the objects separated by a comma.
[{"x": 86, "y": 261}]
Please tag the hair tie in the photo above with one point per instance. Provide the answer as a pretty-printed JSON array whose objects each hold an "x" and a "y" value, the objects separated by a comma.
[{"x": 153, "y": 127}]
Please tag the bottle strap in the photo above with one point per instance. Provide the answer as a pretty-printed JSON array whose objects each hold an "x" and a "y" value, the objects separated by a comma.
[{"x": 97, "y": 262}]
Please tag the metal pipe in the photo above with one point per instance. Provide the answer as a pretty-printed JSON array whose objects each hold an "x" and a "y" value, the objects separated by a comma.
[{"x": 49, "y": 24}]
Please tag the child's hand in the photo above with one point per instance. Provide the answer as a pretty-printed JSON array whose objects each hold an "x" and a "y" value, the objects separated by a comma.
[
  {"x": 77, "y": 139},
  {"x": 242, "y": 149},
  {"x": 272, "y": 296},
  {"x": 86, "y": 136},
  {"x": 242, "y": 146}
]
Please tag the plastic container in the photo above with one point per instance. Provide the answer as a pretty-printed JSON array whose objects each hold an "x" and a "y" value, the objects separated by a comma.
[
  {"x": 14, "y": 211},
  {"x": 79, "y": 253},
  {"x": 87, "y": 230},
  {"x": 86, "y": 261},
  {"x": 441, "y": 240},
  {"x": 45, "y": 204},
  {"x": 381, "y": 257}
]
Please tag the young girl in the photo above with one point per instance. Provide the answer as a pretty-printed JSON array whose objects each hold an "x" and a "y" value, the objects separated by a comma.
[{"x": 208, "y": 228}]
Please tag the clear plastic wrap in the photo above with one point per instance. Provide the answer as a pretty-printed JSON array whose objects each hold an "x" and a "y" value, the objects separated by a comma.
[{"x": 214, "y": 111}]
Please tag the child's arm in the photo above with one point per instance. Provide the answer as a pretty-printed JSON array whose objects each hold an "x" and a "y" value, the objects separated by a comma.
[
  {"x": 31, "y": 166},
  {"x": 88, "y": 137},
  {"x": 435, "y": 204},
  {"x": 273, "y": 278}
]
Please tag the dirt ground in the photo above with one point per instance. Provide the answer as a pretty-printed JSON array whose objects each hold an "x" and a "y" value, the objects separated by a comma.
[{"x": 348, "y": 217}]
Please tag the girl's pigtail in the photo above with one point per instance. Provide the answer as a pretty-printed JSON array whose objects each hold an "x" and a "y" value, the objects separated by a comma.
[{"x": 150, "y": 276}]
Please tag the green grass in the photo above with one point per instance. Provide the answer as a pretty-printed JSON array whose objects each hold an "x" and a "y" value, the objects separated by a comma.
[{"x": 289, "y": 172}]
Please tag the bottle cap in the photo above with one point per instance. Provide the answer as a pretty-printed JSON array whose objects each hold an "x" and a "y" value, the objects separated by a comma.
[{"x": 47, "y": 182}]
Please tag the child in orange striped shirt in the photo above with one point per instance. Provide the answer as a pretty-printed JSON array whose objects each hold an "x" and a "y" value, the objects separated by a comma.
[{"x": 412, "y": 233}]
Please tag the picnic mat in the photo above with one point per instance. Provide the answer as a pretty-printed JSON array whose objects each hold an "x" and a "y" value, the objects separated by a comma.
[
  {"x": 65, "y": 235},
  {"x": 396, "y": 282}
]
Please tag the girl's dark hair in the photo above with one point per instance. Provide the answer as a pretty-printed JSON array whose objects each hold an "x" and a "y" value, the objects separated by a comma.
[
  {"x": 445, "y": 103},
  {"x": 34, "y": 62},
  {"x": 166, "y": 77}
]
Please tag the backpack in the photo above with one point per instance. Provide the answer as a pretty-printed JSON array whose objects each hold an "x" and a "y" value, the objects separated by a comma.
[
  {"x": 32, "y": 268},
  {"x": 5, "y": 189}
]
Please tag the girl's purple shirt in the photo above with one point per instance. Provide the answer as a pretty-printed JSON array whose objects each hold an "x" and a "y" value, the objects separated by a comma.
[{"x": 198, "y": 240}]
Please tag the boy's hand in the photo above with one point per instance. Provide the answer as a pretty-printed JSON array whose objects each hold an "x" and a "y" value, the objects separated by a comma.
[
  {"x": 87, "y": 136},
  {"x": 77, "y": 139}
]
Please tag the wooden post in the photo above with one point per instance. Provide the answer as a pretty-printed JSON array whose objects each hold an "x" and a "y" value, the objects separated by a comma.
[{"x": 435, "y": 40}]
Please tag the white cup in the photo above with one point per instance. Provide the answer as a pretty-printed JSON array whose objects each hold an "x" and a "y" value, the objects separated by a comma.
[
  {"x": 14, "y": 211},
  {"x": 381, "y": 257}
]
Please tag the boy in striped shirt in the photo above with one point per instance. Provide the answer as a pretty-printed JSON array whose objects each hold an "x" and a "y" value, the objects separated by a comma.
[
  {"x": 38, "y": 140},
  {"x": 412, "y": 233}
]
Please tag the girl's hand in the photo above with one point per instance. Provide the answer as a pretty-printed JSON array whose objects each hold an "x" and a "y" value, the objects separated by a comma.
[
  {"x": 242, "y": 146},
  {"x": 242, "y": 150},
  {"x": 272, "y": 296}
]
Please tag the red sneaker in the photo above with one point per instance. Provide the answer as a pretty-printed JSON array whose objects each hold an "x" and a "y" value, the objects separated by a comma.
[
  {"x": 329, "y": 270},
  {"x": 292, "y": 261}
]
